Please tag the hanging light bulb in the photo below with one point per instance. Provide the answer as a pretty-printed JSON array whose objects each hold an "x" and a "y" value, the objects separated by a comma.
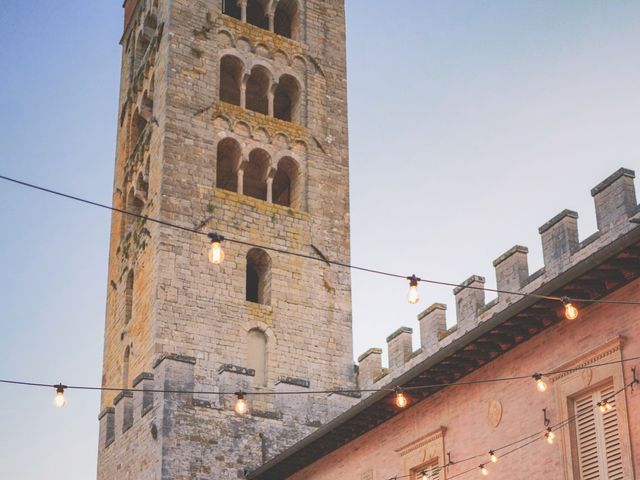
[
  {"x": 540, "y": 383},
  {"x": 216, "y": 254},
  {"x": 401, "y": 399},
  {"x": 605, "y": 406},
  {"x": 414, "y": 296},
  {"x": 550, "y": 436},
  {"x": 241, "y": 404},
  {"x": 484, "y": 470},
  {"x": 570, "y": 311},
  {"x": 60, "y": 401},
  {"x": 494, "y": 458}
]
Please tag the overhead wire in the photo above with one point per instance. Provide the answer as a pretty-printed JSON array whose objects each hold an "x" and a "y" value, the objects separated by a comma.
[
  {"x": 389, "y": 389},
  {"x": 323, "y": 259}
]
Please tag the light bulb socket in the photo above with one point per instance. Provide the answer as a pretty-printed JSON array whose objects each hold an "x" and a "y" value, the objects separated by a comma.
[
  {"x": 566, "y": 301},
  {"x": 537, "y": 377},
  {"x": 60, "y": 388},
  {"x": 215, "y": 237},
  {"x": 240, "y": 395},
  {"x": 413, "y": 281}
]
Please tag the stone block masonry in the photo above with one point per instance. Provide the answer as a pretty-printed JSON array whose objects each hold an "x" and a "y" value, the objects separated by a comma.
[{"x": 174, "y": 320}]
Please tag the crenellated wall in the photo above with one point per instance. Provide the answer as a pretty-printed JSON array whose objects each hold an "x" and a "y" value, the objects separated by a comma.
[
  {"x": 616, "y": 212},
  {"x": 147, "y": 431}
]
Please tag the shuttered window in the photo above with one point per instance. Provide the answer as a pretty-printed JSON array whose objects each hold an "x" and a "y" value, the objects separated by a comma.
[
  {"x": 427, "y": 472},
  {"x": 598, "y": 437}
]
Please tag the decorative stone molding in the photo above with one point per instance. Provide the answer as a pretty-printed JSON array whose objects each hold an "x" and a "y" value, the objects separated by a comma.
[{"x": 423, "y": 450}]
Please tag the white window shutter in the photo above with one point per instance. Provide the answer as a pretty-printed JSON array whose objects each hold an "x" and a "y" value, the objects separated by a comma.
[{"x": 598, "y": 439}]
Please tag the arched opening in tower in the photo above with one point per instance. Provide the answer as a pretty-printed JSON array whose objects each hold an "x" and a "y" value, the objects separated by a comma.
[
  {"x": 256, "y": 14},
  {"x": 231, "y": 8},
  {"x": 227, "y": 163},
  {"x": 287, "y": 99},
  {"x": 286, "y": 189},
  {"x": 286, "y": 19},
  {"x": 230, "y": 79},
  {"x": 257, "y": 90},
  {"x": 258, "y": 277},
  {"x": 255, "y": 174}
]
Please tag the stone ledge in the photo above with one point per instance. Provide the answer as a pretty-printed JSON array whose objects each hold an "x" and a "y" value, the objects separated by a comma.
[
  {"x": 121, "y": 395},
  {"x": 228, "y": 367},
  {"x": 203, "y": 403},
  {"x": 298, "y": 382},
  {"x": 106, "y": 411},
  {"x": 140, "y": 378},
  {"x": 176, "y": 358},
  {"x": 264, "y": 414}
]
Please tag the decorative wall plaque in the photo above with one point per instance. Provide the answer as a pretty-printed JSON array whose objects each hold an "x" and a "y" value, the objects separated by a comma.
[{"x": 495, "y": 413}]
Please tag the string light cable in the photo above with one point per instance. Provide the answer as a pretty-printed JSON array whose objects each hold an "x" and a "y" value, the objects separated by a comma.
[
  {"x": 216, "y": 255},
  {"x": 399, "y": 393}
]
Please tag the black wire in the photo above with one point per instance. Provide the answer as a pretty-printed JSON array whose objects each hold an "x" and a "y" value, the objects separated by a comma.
[
  {"x": 302, "y": 255},
  {"x": 335, "y": 391}
]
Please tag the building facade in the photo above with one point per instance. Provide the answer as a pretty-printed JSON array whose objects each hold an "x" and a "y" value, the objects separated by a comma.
[
  {"x": 232, "y": 120},
  {"x": 457, "y": 417}
]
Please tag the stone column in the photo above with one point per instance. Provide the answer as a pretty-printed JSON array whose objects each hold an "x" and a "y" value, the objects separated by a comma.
[
  {"x": 243, "y": 94},
  {"x": 240, "y": 181},
  {"x": 243, "y": 10},
  {"x": 270, "y": 98}
]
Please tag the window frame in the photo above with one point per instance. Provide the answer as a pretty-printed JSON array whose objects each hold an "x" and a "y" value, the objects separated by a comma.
[{"x": 570, "y": 385}]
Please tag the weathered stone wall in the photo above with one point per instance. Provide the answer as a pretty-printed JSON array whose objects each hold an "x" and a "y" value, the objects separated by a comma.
[{"x": 185, "y": 308}]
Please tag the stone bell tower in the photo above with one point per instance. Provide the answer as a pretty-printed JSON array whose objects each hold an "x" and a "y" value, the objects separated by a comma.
[{"x": 232, "y": 119}]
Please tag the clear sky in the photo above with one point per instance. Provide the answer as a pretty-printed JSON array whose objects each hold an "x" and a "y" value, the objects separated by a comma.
[{"x": 471, "y": 124}]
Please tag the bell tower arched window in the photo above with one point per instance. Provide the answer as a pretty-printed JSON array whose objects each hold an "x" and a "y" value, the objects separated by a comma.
[
  {"x": 230, "y": 79},
  {"x": 227, "y": 162},
  {"x": 256, "y": 14},
  {"x": 255, "y": 174},
  {"x": 287, "y": 99},
  {"x": 231, "y": 8},
  {"x": 257, "y": 90},
  {"x": 258, "y": 278},
  {"x": 286, "y": 184},
  {"x": 286, "y": 19}
]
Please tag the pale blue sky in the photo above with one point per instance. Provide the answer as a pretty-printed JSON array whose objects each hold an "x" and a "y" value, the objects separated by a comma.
[{"x": 471, "y": 122}]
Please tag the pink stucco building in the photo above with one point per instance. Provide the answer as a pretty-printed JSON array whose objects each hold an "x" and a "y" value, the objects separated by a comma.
[{"x": 449, "y": 431}]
